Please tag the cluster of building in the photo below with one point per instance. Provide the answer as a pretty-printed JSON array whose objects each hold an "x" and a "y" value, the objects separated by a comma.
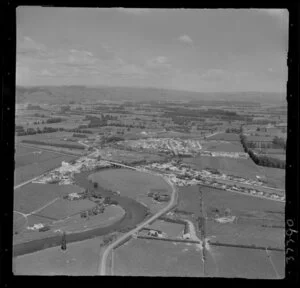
[
  {"x": 176, "y": 146},
  {"x": 225, "y": 154},
  {"x": 159, "y": 197},
  {"x": 64, "y": 174},
  {"x": 183, "y": 175}
]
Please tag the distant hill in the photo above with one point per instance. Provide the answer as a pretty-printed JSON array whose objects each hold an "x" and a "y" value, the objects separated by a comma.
[{"x": 65, "y": 94}]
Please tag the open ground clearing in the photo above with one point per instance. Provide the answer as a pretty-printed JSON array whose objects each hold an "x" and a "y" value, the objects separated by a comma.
[
  {"x": 80, "y": 258},
  {"x": 233, "y": 262},
  {"x": 157, "y": 258},
  {"x": 33, "y": 196}
]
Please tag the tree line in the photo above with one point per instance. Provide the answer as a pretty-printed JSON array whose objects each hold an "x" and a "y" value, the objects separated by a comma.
[{"x": 261, "y": 160}]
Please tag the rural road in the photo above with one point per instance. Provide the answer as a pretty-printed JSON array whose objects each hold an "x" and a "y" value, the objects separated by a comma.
[{"x": 102, "y": 262}]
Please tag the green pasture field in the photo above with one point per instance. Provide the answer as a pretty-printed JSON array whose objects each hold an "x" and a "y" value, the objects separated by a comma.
[{"x": 157, "y": 258}]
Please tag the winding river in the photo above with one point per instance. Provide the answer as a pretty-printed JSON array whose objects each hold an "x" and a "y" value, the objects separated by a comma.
[{"x": 135, "y": 213}]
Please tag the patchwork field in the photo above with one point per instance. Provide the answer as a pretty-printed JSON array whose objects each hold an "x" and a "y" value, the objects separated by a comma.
[
  {"x": 33, "y": 196},
  {"x": 252, "y": 216},
  {"x": 80, "y": 258},
  {"x": 157, "y": 258},
  {"x": 233, "y": 262}
]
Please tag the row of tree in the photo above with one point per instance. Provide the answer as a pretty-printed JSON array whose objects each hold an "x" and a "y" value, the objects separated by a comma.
[
  {"x": 261, "y": 160},
  {"x": 62, "y": 145}
]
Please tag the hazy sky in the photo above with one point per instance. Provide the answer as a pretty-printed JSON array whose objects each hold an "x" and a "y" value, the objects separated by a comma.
[{"x": 197, "y": 50}]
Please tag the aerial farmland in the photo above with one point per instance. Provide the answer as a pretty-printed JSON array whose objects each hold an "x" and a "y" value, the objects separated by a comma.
[{"x": 153, "y": 143}]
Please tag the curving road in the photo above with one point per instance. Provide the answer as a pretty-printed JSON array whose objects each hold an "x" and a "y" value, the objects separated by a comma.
[{"x": 102, "y": 263}]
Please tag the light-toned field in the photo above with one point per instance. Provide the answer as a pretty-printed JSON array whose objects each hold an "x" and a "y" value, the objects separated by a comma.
[
  {"x": 157, "y": 258},
  {"x": 80, "y": 258},
  {"x": 230, "y": 166},
  {"x": 33, "y": 196},
  {"x": 233, "y": 262},
  {"x": 133, "y": 184}
]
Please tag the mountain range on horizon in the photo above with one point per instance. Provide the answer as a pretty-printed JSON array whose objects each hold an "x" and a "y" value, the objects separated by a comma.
[{"x": 65, "y": 94}]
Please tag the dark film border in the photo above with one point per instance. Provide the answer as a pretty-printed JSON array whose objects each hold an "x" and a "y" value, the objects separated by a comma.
[{"x": 8, "y": 54}]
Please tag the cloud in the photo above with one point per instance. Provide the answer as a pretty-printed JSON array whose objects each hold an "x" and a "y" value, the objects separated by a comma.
[
  {"x": 185, "y": 39},
  {"x": 160, "y": 62},
  {"x": 47, "y": 73},
  {"x": 135, "y": 11},
  {"x": 130, "y": 71},
  {"x": 280, "y": 14},
  {"x": 216, "y": 75}
]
